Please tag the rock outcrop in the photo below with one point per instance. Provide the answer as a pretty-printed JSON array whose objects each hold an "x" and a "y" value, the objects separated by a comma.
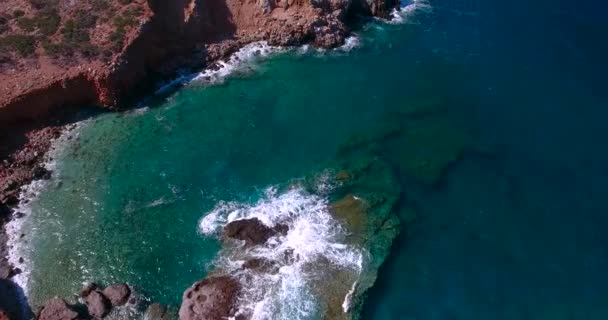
[
  {"x": 212, "y": 298},
  {"x": 118, "y": 294},
  {"x": 97, "y": 304},
  {"x": 155, "y": 37},
  {"x": 57, "y": 309},
  {"x": 252, "y": 231}
]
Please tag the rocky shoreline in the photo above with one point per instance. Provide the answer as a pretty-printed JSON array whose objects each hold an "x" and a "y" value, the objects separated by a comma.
[{"x": 180, "y": 34}]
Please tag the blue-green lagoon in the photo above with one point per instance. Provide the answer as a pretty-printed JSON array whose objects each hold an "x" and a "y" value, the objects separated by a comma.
[{"x": 487, "y": 159}]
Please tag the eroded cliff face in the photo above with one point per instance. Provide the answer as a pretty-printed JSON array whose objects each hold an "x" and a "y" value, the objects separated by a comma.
[{"x": 167, "y": 35}]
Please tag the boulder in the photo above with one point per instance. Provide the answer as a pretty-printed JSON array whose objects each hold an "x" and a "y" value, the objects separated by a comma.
[
  {"x": 98, "y": 304},
  {"x": 212, "y": 298},
  {"x": 156, "y": 311},
  {"x": 57, "y": 309},
  {"x": 118, "y": 294},
  {"x": 252, "y": 231},
  {"x": 84, "y": 292},
  {"x": 41, "y": 173}
]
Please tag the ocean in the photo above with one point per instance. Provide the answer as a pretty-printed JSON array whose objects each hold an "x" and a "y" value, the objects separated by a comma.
[{"x": 480, "y": 123}]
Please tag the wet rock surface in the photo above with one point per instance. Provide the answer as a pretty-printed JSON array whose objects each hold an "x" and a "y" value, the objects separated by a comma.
[
  {"x": 157, "y": 311},
  {"x": 252, "y": 231},
  {"x": 212, "y": 298},
  {"x": 97, "y": 304},
  {"x": 57, "y": 309},
  {"x": 117, "y": 294}
]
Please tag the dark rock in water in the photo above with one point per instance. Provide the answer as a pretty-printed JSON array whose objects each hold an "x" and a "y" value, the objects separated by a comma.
[
  {"x": 41, "y": 173},
  {"x": 252, "y": 231},
  {"x": 84, "y": 292},
  {"x": 98, "y": 304},
  {"x": 210, "y": 299},
  {"x": 57, "y": 309},
  {"x": 156, "y": 311},
  {"x": 260, "y": 265},
  {"x": 18, "y": 215},
  {"x": 118, "y": 294},
  {"x": 343, "y": 176}
]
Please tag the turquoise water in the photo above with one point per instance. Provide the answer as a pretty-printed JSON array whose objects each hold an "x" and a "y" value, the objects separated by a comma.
[{"x": 491, "y": 137}]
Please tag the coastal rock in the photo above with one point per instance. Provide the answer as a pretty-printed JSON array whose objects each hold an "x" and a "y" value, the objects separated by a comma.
[
  {"x": 252, "y": 231},
  {"x": 41, "y": 173},
  {"x": 352, "y": 211},
  {"x": 118, "y": 294},
  {"x": 57, "y": 309},
  {"x": 84, "y": 292},
  {"x": 210, "y": 299},
  {"x": 98, "y": 304},
  {"x": 4, "y": 315},
  {"x": 157, "y": 311}
]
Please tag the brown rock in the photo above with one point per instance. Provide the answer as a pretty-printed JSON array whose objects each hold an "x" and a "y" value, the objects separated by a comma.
[
  {"x": 98, "y": 304},
  {"x": 156, "y": 311},
  {"x": 352, "y": 211},
  {"x": 57, "y": 309},
  {"x": 4, "y": 315},
  {"x": 252, "y": 231},
  {"x": 210, "y": 299},
  {"x": 84, "y": 292},
  {"x": 118, "y": 294}
]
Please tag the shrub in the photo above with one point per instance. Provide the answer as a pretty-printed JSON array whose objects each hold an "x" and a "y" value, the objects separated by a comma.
[
  {"x": 26, "y": 24},
  {"x": 100, "y": 5},
  {"x": 22, "y": 44},
  {"x": 48, "y": 22},
  {"x": 18, "y": 13}
]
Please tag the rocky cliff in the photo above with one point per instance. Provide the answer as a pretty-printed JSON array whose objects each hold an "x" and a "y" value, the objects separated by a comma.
[{"x": 105, "y": 57}]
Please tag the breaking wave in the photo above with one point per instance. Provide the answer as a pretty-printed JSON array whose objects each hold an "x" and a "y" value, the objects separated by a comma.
[
  {"x": 413, "y": 7},
  {"x": 297, "y": 263}
]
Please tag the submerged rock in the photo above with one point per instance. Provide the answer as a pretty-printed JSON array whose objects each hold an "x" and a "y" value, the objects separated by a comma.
[
  {"x": 352, "y": 211},
  {"x": 429, "y": 147},
  {"x": 252, "y": 231},
  {"x": 98, "y": 304},
  {"x": 57, "y": 309},
  {"x": 118, "y": 294},
  {"x": 212, "y": 298},
  {"x": 157, "y": 311}
]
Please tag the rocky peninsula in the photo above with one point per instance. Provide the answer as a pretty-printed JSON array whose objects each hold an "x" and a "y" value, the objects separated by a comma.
[{"x": 59, "y": 55}]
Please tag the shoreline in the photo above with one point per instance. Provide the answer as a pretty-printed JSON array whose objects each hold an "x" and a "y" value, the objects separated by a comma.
[{"x": 25, "y": 160}]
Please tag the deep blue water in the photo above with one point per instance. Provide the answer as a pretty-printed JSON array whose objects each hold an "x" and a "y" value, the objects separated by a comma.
[{"x": 521, "y": 234}]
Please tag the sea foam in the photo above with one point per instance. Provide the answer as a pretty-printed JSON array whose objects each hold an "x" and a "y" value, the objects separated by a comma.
[
  {"x": 18, "y": 248},
  {"x": 314, "y": 244},
  {"x": 403, "y": 14}
]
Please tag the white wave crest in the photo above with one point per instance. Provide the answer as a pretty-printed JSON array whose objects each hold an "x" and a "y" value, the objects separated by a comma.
[
  {"x": 18, "y": 248},
  {"x": 301, "y": 259},
  {"x": 242, "y": 60},
  {"x": 402, "y": 15}
]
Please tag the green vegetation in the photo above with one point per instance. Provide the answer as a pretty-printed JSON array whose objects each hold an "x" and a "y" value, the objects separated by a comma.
[
  {"x": 47, "y": 22},
  {"x": 22, "y": 44},
  {"x": 43, "y": 4},
  {"x": 100, "y": 5},
  {"x": 18, "y": 13},
  {"x": 128, "y": 18}
]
